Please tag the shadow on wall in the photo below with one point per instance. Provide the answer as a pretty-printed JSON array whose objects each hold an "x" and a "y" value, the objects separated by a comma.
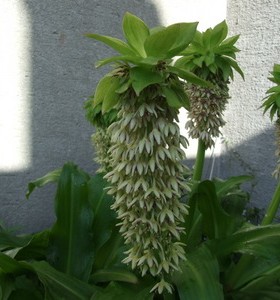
[
  {"x": 62, "y": 76},
  {"x": 251, "y": 157}
]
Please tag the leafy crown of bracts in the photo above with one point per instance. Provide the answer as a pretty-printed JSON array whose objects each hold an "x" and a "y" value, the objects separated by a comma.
[
  {"x": 211, "y": 54},
  {"x": 145, "y": 59},
  {"x": 272, "y": 100}
]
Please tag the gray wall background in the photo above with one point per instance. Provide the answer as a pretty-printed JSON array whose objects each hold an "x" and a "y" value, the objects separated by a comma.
[
  {"x": 250, "y": 140},
  {"x": 62, "y": 76}
]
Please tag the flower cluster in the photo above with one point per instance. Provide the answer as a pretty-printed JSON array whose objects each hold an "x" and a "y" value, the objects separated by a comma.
[
  {"x": 147, "y": 182},
  {"x": 101, "y": 141},
  {"x": 206, "y": 112}
]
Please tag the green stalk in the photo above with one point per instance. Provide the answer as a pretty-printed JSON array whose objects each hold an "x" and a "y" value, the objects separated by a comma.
[
  {"x": 199, "y": 162},
  {"x": 246, "y": 260},
  {"x": 273, "y": 207}
]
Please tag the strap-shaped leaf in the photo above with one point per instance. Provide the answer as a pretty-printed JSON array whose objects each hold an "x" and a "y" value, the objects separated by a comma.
[
  {"x": 71, "y": 235},
  {"x": 199, "y": 278},
  {"x": 189, "y": 76},
  {"x": 170, "y": 41},
  {"x": 104, "y": 217},
  {"x": 114, "y": 43},
  {"x": 216, "y": 222},
  {"x": 260, "y": 241},
  {"x": 135, "y": 32},
  {"x": 59, "y": 285},
  {"x": 114, "y": 274},
  {"x": 52, "y": 176},
  {"x": 10, "y": 266}
]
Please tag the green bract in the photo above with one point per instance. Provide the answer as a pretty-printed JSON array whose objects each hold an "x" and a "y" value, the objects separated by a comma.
[
  {"x": 212, "y": 50},
  {"x": 272, "y": 100},
  {"x": 145, "y": 59}
]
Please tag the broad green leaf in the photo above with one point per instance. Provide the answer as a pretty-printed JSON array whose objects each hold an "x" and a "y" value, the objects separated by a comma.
[
  {"x": 224, "y": 67},
  {"x": 172, "y": 98},
  {"x": 228, "y": 43},
  {"x": 199, "y": 278},
  {"x": 198, "y": 61},
  {"x": 36, "y": 248},
  {"x": 50, "y": 177},
  {"x": 143, "y": 77},
  {"x": 26, "y": 288},
  {"x": 206, "y": 38},
  {"x": 122, "y": 291},
  {"x": 278, "y": 102},
  {"x": 101, "y": 89},
  {"x": 216, "y": 222},
  {"x": 219, "y": 33},
  {"x": 9, "y": 240},
  {"x": 7, "y": 285},
  {"x": 259, "y": 275},
  {"x": 182, "y": 95},
  {"x": 123, "y": 87},
  {"x": 135, "y": 32},
  {"x": 170, "y": 41},
  {"x": 260, "y": 241},
  {"x": 111, "y": 98},
  {"x": 234, "y": 65},
  {"x": 209, "y": 59},
  {"x": 10, "y": 266},
  {"x": 110, "y": 253},
  {"x": 193, "y": 227},
  {"x": 274, "y": 89},
  {"x": 71, "y": 236},
  {"x": 225, "y": 186},
  {"x": 104, "y": 217},
  {"x": 114, "y": 43},
  {"x": 59, "y": 285},
  {"x": 188, "y": 76},
  {"x": 156, "y": 29},
  {"x": 136, "y": 60},
  {"x": 114, "y": 274}
]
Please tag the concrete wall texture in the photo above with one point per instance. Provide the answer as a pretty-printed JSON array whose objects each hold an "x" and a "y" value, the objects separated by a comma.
[
  {"x": 249, "y": 135},
  {"x": 48, "y": 69}
]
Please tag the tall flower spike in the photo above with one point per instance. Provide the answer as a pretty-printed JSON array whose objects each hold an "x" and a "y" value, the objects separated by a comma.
[
  {"x": 147, "y": 182},
  {"x": 147, "y": 173},
  {"x": 211, "y": 57}
]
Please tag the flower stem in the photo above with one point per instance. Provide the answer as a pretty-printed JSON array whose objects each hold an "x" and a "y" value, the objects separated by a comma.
[
  {"x": 199, "y": 162},
  {"x": 273, "y": 207}
]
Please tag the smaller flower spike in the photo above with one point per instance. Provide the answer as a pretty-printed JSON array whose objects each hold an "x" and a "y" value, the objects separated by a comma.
[{"x": 211, "y": 57}]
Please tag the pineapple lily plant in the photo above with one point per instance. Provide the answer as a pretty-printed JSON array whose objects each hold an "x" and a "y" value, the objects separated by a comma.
[
  {"x": 144, "y": 227},
  {"x": 147, "y": 179}
]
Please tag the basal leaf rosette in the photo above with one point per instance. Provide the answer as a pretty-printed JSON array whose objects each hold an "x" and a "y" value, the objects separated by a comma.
[
  {"x": 147, "y": 173},
  {"x": 272, "y": 104},
  {"x": 211, "y": 56}
]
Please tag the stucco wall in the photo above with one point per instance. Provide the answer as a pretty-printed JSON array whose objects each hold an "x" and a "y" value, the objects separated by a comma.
[
  {"x": 249, "y": 135},
  {"x": 55, "y": 75}
]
